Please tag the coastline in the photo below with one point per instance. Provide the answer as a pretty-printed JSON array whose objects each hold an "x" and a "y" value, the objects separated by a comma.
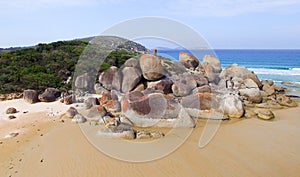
[{"x": 248, "y": 147}]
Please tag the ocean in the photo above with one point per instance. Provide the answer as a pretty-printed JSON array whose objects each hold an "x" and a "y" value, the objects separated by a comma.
[{"x": 277, "y": 65}]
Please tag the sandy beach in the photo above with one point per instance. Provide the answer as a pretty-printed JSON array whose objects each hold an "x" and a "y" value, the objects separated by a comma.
[{"x": 46, "y": 146}]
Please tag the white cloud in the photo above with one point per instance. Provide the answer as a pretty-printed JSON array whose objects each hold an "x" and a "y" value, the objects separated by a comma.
[{"x": 226, "y": 7}]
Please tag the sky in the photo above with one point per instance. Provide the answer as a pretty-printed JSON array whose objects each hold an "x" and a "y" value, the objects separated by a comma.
[{"x": 225, "y": 24}]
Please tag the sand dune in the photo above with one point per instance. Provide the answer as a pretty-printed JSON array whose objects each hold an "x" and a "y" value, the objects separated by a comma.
[{"x": 250, "y": 147}]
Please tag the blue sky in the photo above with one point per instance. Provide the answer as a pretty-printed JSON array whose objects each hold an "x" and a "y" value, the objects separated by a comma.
[{"x": 262, "y": 24}]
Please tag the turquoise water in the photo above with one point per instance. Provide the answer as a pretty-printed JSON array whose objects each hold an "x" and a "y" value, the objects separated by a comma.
[{"x": 277, "y": 65}]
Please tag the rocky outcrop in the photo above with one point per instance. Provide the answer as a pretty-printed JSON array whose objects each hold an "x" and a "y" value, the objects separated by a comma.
[
  {"x": 153, "y": 91},
  {"x": 188, "y": 60},
  {"x": 151, "y": 67},
  {"x": 30, "y": 96}
]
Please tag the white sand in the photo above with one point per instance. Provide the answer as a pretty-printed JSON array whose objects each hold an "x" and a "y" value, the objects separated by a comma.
[{"x": 250, "y": 147}]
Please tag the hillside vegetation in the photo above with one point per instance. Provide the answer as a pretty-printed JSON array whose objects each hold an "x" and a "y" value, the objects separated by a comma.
[{"x": 49, "y": 65}]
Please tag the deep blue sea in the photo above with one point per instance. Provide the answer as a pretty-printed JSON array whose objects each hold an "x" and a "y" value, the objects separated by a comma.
[{"x": 277, "y": 65}]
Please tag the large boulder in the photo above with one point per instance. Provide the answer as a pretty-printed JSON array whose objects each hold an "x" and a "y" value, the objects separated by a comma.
[
  {"x": 131, "y": 77},
  {"x": 50, "y": 95},
  {"x": 242, "y": 72},
  {"x": 232, "y": 106},
  {"x": 106, "y": 77},
  {"x": 249, "y": 83},
  {"x": 151, "y": 67},
  {"x": 200, "y": 101},
  {"x": 252, "y": 94},
  {"x": 200, "y": 79},
  {"x": 202, "y": 89},
  {"x": 188, "y": 60},
  {"x": 183, "y": 85},
  {"x": 84, "y": 83},
  {"x": 164, "y": 85},
  {"x": 212, "y": 68},
  {"x": 145, "y": 110},
  {"x": 117, "y": 80},
  {"x": 270, "y": 90},
  {"x": 30, "y": 96},
  {"x": 132, "y": 62}
]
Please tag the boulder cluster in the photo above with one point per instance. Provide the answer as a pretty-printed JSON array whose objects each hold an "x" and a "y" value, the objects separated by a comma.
[
  {"x": 155, "y": 91},
  {"x": 49, "y": 95}
]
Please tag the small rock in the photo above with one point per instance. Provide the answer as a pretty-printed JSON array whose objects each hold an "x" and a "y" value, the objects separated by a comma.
[
  {"x": 249, "y": 113},
  {"x": 91, "y": 101},
  {"x": 78, "y": 118},
  {"x": 143, "y": 135},
  {"x": 12, "y": 117},
  {"x": 71, "y": 112},
  {"x": 96, "y": 111},
  {"x": 11, "y": 135},
  {"x": 11, "y": 110},
  {"x": 265, "y": 114}
]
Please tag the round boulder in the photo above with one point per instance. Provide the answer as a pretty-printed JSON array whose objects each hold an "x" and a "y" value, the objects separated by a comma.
[{"x": 151, "y": 67}]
